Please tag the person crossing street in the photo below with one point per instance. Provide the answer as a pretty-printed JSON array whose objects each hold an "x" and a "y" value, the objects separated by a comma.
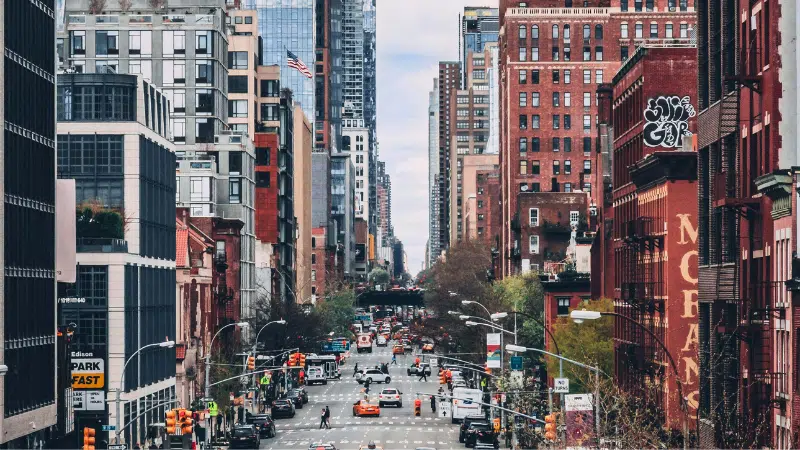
[{"x": 394, "y": 359}]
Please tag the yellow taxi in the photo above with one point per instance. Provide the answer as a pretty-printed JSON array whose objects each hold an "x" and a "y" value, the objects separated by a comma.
[
  {"x": 427, "y": 348},
  {"x": 365, "y": 408},
  {"x": 398, "y": 350}
]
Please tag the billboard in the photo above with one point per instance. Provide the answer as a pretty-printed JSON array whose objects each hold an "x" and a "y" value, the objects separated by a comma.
[
  {"x": 579, "y": 419},
  {"x": 494, "y": 353},
  {"x": 88, "y": 372}
]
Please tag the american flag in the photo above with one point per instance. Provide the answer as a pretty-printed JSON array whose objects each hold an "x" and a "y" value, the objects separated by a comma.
[{"x": 293, "y": 61}]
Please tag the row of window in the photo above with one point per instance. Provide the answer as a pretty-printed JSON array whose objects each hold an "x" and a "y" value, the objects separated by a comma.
[
  {"x": 533, "y": 217},
  {"x": 556, "y": 76},
  {"x": 598, "y": 31},
  {"x": 534, "y": 167},
  {"x": 533, "y": 144},
  {"x": 555, "y": 187},
  {"x": 535, "y": 122},
  {"x": 587, "y": 32},
  {"x": 555, "y": 55},
  {"x": 140, "y": 43},
  {"x": 557, "y": 97},
  {"x": 669, "y": 31}
]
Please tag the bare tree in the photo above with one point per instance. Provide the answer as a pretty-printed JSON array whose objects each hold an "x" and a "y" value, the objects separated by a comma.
[
  {"x": 97, "y": 6},
  {"x": 125, "y": 5},
  {"x": 156, "y": 4}
]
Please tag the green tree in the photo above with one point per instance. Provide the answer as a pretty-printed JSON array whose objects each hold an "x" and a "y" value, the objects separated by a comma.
[
  {"x": 378, "y": 276},
  {"x": 337, "y": 311},
  {"x": 522, "y": 293},
  {"x": 590, "y": 342}
]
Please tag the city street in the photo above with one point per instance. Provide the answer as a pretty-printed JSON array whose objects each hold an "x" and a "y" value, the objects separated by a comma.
[{"x": 396, "y": 428}]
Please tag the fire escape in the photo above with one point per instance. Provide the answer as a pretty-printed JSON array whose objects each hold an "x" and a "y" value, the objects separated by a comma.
[
  {"x": 643, "y": 301},
  {"x": 222, "y": 293},
  {"x": 745, "y": 309}
]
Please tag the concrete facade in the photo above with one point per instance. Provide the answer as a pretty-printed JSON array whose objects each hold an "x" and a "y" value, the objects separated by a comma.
[{"x": 303, "y": 145}]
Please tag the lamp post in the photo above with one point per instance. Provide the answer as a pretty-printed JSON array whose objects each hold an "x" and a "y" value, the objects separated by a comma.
[
  {"x": 504, "y": 314},
  {"x": 470, "y": 323},
  {"x": 519, "y": 348},
  {"x": 578, "y": 316},
  {"x": 165, "y": 344},
  {"x": 208, "y": 355},
  {"x": 473, "y": 302},
  {"x": 255, "y": 345}
]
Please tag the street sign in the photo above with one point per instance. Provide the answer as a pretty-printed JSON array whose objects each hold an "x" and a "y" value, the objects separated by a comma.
[
  {"x": 109, "y": 427},
  {"x": 434, "y": 362},
  {"x": 207, "y": 399},
  {"x": 516, "y": 363},
  {"x": 117, "y": 446},
  {"x": 561, "y": 386}
]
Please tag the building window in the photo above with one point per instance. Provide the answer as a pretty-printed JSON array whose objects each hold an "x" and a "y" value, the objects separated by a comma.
[
  {"x": 535, "y": 76},
  {"x": 204, "y": 101},
  {"x": 533, "y": 217},
  {"x": 567, "y": 167},
  {"x": 523, "y": 145},
  {"x": 179, "y": 130},
  {"x": 587, "y": 145},
  {"x": 653, "y": 30},
  {"x": 140, "y": 42},
  {"x": 523, "y": 32},
  {"x": 573, "y": 218},
  {"x": 535, "y": 122},
  {"x": 598, "y": 53},
  {"x": 684, "y": 31},
  {"x": 523, "y": 122},
  {"x": 535, "y": 168},
  {"x": 523, "y": 76},
  {"x": 556, "y": 144},
  {"x": 203, "y": 42},
  {"x": 567, "y": 187},
  {"x": 533, "y": 244},
  {"x": 262, "y": 179},
  {"x": 237, "y": 84},
  {"x": 563, "y": 306},
  {"x": 567, "y": 76},
  {"x": 587, "y": 122},
  {"x": 534, "y": 31},
  {"x": 567, "y": 99},
  {"x": 523, "y": 167},
  {"x": 587, "y": 99},
  {"x": 556, "y": 99},
  {"x": 598, "y": 76},
  {"x": 598, "y": 32},
  {"x": 523, "y": 99},
  {"x": 555, "y": 77},
  {"x": 567, "y": 122},
  {"x": 668, "y": 31},
  {"x": 587, "y": 166},
  {"x": 204, "y": 72},
  {"x": 174, "y": 43},
  {"x": 237, "y": 60},
  {"x": 77, "y": 41},
  {"x": 106, "y": 43},
  {"x": 534, "y": 53},
  {"x": 623, "y": 31},
  {"x": 313, "y": 255},
  {"x": 200, "y": 189},
  {"x": 534, "y": 144},
  {"x": 270, "y": 88},
  {"x": 587, "y": 76},
  {"x": 174, "y": 72},
  {"x": 556, "y": 168},
  {"x": 523, "y": 54},
  {"x": 555, "y": 31},
  {"x": 639, "y": 30},
  {"x": 623, "y": 52},
  {"x": 535, "y": 99},
  {"x": 235, "y": 193}
]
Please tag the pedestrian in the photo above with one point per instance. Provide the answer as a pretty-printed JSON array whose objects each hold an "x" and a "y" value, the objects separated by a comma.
[
  {"x": 394, "y": 359},
  {"x": 366, "y": 386},
  {"x": 327, "y": 417},
  {"x": 509, "y": 435},
  {"x": 423, "y": 374},
  {"x": 322, "y": 422},
  {"x": 355, "y": 369},
  {"x": 433, "y": 404}
]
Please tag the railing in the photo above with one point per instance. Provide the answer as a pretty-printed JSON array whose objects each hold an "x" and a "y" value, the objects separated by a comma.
[
  {"x": 101, "y": 245},
  {"x": 556, "y": 228},
  {"x": 554, "y": 268}
]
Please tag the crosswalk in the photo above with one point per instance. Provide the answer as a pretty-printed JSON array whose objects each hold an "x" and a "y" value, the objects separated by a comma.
[
  {"x": 339, "y": 422},
  {"x": 305, "y": 443}
]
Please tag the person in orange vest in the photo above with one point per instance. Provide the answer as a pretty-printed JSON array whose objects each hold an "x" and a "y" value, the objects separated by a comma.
[
  {"x": 417, "y": 406},
  {"x": 416, "y": 362},
  {"x": 302, "y": 376}
]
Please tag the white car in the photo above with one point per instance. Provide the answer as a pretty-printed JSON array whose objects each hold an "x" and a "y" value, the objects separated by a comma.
[
  {"x": 373, "y": 375},
  {"x": 390, "y": 396},
  {"x": 381, "y": 341}
]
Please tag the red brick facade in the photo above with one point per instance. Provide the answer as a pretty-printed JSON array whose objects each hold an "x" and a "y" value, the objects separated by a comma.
[
  {"x": 267, "y": 191},
  {"x": 556, "y": 57}
]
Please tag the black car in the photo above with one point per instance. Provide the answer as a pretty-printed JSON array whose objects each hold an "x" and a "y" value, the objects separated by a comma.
[
  {"x": 462, "y": 432},
  {"x": 245, "y": 436},
  {"x": 321, "y": 446},
  {"x": 480, "y": 432},
  {"x": 282, "y": 408},
  {"x": 296, "y": 397},
  {"x": 303, "y": 393},
  {"x": 414, "y": 370},
  {"x": 264, "y": 424}
]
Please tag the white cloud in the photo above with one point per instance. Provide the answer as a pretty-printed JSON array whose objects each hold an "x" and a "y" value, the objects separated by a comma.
[{"x": 413, "y": 37}]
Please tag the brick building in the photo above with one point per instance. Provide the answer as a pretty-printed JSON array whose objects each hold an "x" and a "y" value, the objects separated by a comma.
[
  {"x": 549, "y": 226},
  {"x": 548, "y": 98},
  {"x": 322, "y": 263},
  {"x": 560, "y": 297},
  {"x": 449, "y": 79},
  {"x": 747, "y": 141}
]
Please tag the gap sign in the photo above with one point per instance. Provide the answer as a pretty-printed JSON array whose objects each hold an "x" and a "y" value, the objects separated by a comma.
[{"x": 88, "y": 373}]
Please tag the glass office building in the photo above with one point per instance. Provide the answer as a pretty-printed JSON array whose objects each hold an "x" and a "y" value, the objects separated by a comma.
[
  {"x": 289, "y": 25},
  {"x": 479, "y": 26}
]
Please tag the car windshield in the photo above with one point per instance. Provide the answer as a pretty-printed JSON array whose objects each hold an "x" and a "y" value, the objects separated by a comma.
[
  {"x": 258, "y": 419},
  {"x": 242, "y": 432},
  {"x": 389, "y": 391},
  {"x": 480, "y": 426}
]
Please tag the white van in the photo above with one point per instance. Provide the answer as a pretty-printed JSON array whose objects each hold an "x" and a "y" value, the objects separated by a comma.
[
  {"x": 315, "y": 374},
  {"x": 464, "y": 403},
  {"x": 381, "y": 342}
]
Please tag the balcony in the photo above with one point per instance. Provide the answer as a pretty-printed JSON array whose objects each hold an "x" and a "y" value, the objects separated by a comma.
[
  {"x": 555, "y": 228},
  {"x": 101, "y": 245}
]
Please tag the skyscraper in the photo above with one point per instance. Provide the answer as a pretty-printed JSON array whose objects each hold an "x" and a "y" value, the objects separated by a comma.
[
  {"x": 479, "y": 26},
  {"x": 353, "y": 61},
  {"x": 288, "y": 25},
  {"x": 434, "y": 195},
  {"x": 28, "y": 389}
]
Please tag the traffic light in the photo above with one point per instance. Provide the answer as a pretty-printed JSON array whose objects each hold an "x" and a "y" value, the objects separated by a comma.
[
  {"x": 442, "y": 377},
  {"x": 488, "y": 369},
  {"x": 88, "y": 438},
  {"x": 293, "y": 359},
  {"x": 186, "y": 424},
  {"x": 302, "y": 360},
  {"x": 171, "y": 421},
  {"x": 550, "y": 427},
  {"x": 251, "y": 363}
]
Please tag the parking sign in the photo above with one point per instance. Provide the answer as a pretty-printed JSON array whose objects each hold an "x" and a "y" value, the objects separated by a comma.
[{"x": 561, "y": 386}]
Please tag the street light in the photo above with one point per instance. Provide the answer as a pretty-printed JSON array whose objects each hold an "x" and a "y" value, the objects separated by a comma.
[
  {"x": 521, "y": 349},
  {"x": 578, "y": 316},
  {"x": 502, "y": 315},
  {"x": 211, "y": 346},
  {"x": 281, "y": 321},
  {"x": 473, "y": 302},
  {"x": 454, "y": 313},
  {"x": 165, "y": 344},
  {"x": 471, "y": 323}
]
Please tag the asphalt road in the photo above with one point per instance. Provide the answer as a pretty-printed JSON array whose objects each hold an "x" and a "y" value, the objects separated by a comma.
[{"x": 396, "y": 428}]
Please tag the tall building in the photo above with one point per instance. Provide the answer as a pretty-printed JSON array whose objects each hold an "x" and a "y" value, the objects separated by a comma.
[
  {"x": 28, "y": 389},
  {"x": 433, "y": 247},
  {"x": 187, "y": 62},
  {"x": 548, "y": 96},
  {"x": 288, "y": 25},
  {"x": 353, "y": 60},
  {"x": 747, "y": 223},
  {"x": 449, "y": 80},
  {"x": 328, "y": 76},
  {"x": 385, "y": 229},
  {"x": 479, "y": 26},
  {"x": 356, "y": 142},
  {"x": 114, "y": 141},
  {"x": 343, "y": 199},
  {"x": 371, "y": 107},
  {"x": 303, "y": 145},
  {"x": 243, "y": 57}
]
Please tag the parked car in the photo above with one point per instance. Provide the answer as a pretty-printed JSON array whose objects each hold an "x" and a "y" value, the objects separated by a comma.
[
  {"x": 296, "y": 397},
  {"x": 480, "y": 432},
  {"x": 365, "y": 408},
  {"x": 283, "y": 408},
  {"x": 264, "y": 424},
  {"x": 373, "y": 375},
  {"x": 427, "y": 348},
  {"x": 245, "y": 436},
  {"x": 390, "y": 396},
  {"x": 303, "y": 393},
  {"x": 462, "y": 432},
  {"x": 321, "y": 446},
  {"x": 414, "y": 370}
]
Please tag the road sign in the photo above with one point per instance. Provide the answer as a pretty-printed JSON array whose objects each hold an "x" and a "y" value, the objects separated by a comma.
[
  {"x": 434, "y": 362},
  {"x": 109, "y": 427},
  {"x": 117, "y": 446},
  {"x": 516, "y": 363},
  {"x": 561, "y": 386}
]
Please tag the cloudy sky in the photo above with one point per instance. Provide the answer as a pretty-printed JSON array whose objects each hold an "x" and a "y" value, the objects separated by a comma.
[{"x": 413, "y": 36}]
